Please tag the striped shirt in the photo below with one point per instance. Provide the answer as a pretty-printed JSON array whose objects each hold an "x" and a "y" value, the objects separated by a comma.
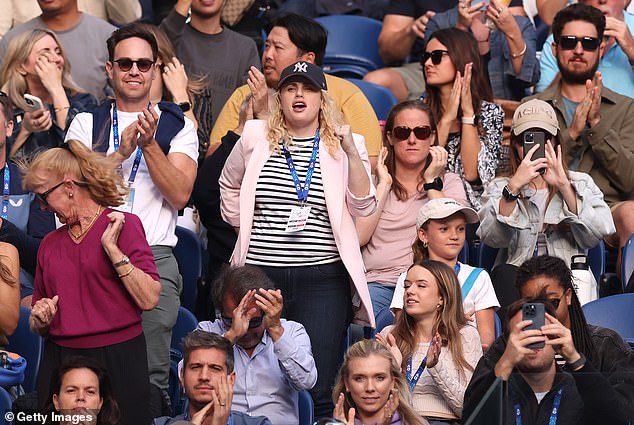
[{"x": 275, "y": 197}]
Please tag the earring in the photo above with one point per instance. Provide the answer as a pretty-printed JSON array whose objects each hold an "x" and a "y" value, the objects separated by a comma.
[
  {"x": 438, "y": 306},
  {"x": 424, "y": 244},
  {"x": 70, "y": 195}
]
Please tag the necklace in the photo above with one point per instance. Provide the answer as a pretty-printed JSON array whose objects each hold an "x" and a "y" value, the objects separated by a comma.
[{"x": 88, "y": 227}]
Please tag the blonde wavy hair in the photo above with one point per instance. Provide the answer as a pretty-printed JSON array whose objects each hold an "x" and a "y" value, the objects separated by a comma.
[
  {"x": 329, "y": 119},
  {"x": 93, "y": 171},
  {"x": 362, "y": 350},
  {"x": 18, "y": 52},
  {"x": 449, "y": 318}
]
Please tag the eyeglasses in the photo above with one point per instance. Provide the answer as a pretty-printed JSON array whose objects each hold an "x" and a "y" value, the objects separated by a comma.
[
  {"x": 143, "y": 65},
  {"x": 435, "y": 55},
  {"x": 253, "y": 323},
  {"x": 421, "y": 132},
  {"x": 555, "y": 301},
  {"x": 569, "y": 42},
  {"x": 42, "y": 196}
]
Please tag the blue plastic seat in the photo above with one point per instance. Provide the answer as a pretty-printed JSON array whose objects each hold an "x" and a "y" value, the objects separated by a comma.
[
  {"x": 381, "y": 98},
  {"x": 486, "y": 256},
  {"x": 627, "y": 261},
  {"x": 499, "y": 330},
  {"x": 352, "y": 41},
  {"x": 596, "y": 260},
  {"x": 614, "y": 312},
  {"x": 188, "y": 253},
  {"x": 306, "y": 408},
  {"x": 28, "y": 345},
  {"x": 185, "y": 323},
  {"x": 6, "y": 404}
]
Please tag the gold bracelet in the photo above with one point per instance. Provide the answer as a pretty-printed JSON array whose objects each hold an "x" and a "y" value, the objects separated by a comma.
[
  {"x": 61, "y": 109},
  {"x": 520, "y": 54},
  {"x": 128, "y": 272}
]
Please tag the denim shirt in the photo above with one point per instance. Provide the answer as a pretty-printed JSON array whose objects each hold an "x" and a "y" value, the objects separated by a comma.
[
  {"x": 519, "y": 231},
  {"x": 504, "y": 82}
]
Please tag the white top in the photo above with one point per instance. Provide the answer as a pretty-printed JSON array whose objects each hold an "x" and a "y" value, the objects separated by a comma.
[
  {"x": 481, "y": 296},
  {"x": 156, "y": 214}
]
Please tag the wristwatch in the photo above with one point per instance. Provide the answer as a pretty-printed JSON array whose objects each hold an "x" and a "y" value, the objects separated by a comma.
[
  {"x": 125, "y": 260},
  {"x": 473, "y": 120},
  {"x": 185, "y": 106},
  {"x": 435, "y": 185},
  {"x": 508, "y": 195}
]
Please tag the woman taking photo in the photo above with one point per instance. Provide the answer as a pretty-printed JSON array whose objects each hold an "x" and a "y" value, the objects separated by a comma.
[
  {"x": 301, "y": 232},
  {"x": 469, "y": 125},
  {"x": 81, "y": 386},
  {"x": 371, "y": 384},
  {"x": 542, "y": 208},
  {"x": 35, "y": 64},
  {"x": 433, "y": 343},
  {"x": 410, "y": 172},
  {"x": 95, "y": 274}
]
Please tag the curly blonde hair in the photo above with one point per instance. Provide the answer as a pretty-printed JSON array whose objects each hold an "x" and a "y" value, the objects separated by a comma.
[
  {"x": 18, "y": 52},
  {"x": 92, "y": 170},
  {"x": 329, "y": 119}
]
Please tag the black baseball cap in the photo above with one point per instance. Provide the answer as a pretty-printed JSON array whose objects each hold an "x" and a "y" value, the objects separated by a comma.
[{"x": 306, "y": 70}]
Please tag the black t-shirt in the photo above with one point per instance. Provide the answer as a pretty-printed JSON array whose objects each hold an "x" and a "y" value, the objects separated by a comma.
[{"x": 416, "y": 8}]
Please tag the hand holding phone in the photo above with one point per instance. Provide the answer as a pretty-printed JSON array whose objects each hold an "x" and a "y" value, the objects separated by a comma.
[
  {"x": 535, "y": 312},
  {"x": 33, "y": 103}
]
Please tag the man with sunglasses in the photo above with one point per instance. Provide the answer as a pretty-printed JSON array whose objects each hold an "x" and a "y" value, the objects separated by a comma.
[
  {"x": 156, "y": 148},
  {"x": 273, "y": 357},
  {"x": 596, "y": 123},
  {"x": 616, "y": 59}
]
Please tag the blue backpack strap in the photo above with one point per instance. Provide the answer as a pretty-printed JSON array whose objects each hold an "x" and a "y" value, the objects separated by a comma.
[{"x": 468, "y": 284}]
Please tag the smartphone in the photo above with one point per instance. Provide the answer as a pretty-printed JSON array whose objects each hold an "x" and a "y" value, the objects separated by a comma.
[
  {"x": 33, "y": 103},
  {"x": 536, "y": 313},
  {"x": 532, "y": 138}
]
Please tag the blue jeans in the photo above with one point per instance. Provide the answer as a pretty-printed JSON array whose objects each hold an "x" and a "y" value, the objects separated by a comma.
[
  {"x": 381, "y": 296},
  {"x": 319, "y": 298}
]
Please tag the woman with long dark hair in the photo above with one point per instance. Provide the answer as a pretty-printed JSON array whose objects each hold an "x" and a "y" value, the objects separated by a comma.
[{"x": 458, "y": 92}]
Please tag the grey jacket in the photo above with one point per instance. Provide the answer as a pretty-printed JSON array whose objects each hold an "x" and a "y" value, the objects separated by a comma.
[{"x": 519, "y": 231}]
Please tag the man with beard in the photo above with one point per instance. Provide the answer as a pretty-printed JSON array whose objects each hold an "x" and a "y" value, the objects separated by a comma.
[
  {"x": 596, "y": 123},
  {"x": 617, "y": 57},
  {"x": 539, "y": 390},
  {"x": 273, "y": 357},
  {"x": 208, "y": 378}
]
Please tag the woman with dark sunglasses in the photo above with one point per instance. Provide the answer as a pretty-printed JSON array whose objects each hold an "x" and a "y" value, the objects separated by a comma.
[
  {"x": 35, "y": 64},
  {"x": 95, "y": 274},
  {"x": 410, "y": 172},
  {"x": 470, "y": 125}
]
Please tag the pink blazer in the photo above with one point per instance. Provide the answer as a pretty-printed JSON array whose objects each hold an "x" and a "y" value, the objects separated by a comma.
[{"x": 237, "y": 190}]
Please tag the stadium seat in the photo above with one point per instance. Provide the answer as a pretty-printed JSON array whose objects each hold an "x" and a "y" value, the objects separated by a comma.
[
  {"x": 185, "y": 323},
  {"x": 627, "y": 261},
  {"x": 188, "y": 253},
  {"x": 486, "y": 256},
  {"x": 305, "y": 405},
  {"x": 614, "y": 312},
  {"x": 596, "y": 260},
  {"x": 380, "y": 98},
  {"x": 28, "y": 345},
  {"x": 5, "y": 404},
  {"x": 353, "y": 46}
]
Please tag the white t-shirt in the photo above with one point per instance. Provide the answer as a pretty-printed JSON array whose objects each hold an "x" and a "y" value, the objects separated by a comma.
[
  {"x": 156, "y": 214},
  {"x": 480, "y": 297}
]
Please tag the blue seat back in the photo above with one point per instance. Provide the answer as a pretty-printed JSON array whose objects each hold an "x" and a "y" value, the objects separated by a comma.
[
  {"x": 486, "y": 256},
  {"x": 185, "y": 323},
  {"x": 498, "y": 325},
  {"x": 596, "y": 260},
  {"x": 615, "y": 312},
  {"x": 305, "y": 407},
  {"x": 381, "y": 98},
  {"x": 5, "y": 404},
  {"x": 188, "y": 253},
  {"x": 28, "y": 345},
  {"x": 627, "y": 261}
]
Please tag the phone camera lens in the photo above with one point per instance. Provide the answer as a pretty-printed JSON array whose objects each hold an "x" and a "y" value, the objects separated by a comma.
[{"x": 529, "y": 137}]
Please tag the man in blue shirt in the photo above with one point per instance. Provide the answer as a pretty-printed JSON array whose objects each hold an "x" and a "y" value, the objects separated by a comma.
[
  {"x": 273, "y": 357},
  {"x": 618, "y": 56}
]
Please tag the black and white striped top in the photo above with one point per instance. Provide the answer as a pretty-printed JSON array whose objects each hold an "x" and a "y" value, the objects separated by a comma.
[{"x": 275, "y": 197}]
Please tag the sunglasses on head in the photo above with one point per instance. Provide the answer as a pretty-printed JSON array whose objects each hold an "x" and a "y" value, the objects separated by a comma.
[
  {"x": 435, "y": 55},
  {"x": 421, "y": 132},
  {"x": 253, "y": 323},
  {"x": 569, "y": 42},
  {"x": 143, "y": 65}
]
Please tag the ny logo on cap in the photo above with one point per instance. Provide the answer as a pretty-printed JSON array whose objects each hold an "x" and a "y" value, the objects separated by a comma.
[{"x": 301, "y": 67}]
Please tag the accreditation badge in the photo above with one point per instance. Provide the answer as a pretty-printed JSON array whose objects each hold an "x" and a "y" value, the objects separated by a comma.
[{"x": 298, "y": 219}]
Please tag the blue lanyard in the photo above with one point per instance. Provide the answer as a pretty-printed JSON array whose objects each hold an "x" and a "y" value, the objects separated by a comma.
[
  {"x": 456, "y": 268},
  {"x": 115, "y": 142},
  {"x": 302, "y": 190},
  {"x": 553, "y": 413},
  {"x": 5, "y": 192},
  {"x": 413, "y": 380}
]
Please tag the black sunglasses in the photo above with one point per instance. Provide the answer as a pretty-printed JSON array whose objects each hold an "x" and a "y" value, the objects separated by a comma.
[
  {"x": 421, "y": 132},
  {"x": 42, "y": 196},
  {"x": 435, "y": 55},
  {"x": 143, "y": 65},
  {"x": 253, "y": 323},
  {"x": 569, "y": 42}
]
